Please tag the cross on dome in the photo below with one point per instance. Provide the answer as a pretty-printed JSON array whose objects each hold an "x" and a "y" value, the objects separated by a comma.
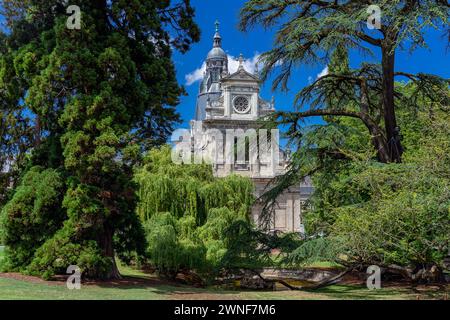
[
  {"x": 217, "y": 23},
  {"x": 217, "y": 37},
  {"x": 241, "y": 61}
]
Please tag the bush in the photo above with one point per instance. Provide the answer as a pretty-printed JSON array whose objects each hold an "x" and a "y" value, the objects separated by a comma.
[
  {"x": 32, "y": 216},
  {"x": 58, "y": 253},
  {"x": 391, "y": 214},
  {"x": 406, "y": 221},
  {"x": 37, "y": 234},
  {"x": 172, "y": 245}
]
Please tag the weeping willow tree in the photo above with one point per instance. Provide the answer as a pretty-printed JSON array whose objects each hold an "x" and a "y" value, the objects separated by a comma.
[
  {"x": 188, "y": 190},
  {"x": 172, "y": 244},
  {"x": 188, "y": 215}
]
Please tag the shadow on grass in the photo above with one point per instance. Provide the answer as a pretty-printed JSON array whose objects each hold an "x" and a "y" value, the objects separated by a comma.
[
  {"x": 356, "y": 292},
  {"x": 160, "y": 286}
]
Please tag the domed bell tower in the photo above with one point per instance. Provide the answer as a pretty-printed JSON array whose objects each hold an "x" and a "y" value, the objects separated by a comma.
[
  {"x": 216, "y": 69},
  {"x": 216, "y": 65}
]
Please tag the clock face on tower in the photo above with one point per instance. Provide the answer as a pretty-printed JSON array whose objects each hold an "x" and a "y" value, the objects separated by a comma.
[{"x": 240, "y": 104}]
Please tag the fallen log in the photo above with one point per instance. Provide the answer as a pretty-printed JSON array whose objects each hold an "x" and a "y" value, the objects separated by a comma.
[
  {"x": 331, "y": 281},
  {"x": 324, "y": 283}
]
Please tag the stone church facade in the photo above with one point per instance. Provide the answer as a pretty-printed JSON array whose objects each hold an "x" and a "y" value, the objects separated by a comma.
[{"x": 230, "y": 104}]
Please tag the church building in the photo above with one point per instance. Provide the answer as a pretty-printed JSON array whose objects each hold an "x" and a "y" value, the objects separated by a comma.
[{"x": 230, "y": 103}]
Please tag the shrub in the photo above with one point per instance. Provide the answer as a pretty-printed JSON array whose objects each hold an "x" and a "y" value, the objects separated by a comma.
[
  {"x": 172, "y": 245},
  {"x": 58, "y": 253},
  {"x": 32, "y": 216}
]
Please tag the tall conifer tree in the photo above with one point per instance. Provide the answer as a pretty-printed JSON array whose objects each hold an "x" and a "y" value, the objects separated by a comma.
[
  {"x": 106, "y": 91},
  {"x": 309, "y": 31}
]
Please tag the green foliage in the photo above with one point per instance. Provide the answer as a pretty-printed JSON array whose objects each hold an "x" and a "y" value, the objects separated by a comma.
[
  {"x": 396, "y": 213},
  {"x": 233, "y": 192},
  {"x": 404, "y": 219},
  {"x": 191, "y": 217},
  {"x": 310, "y": 32},
  {"x": 251, "y": 248},
  {"x": 188, "y": 189},
  {"x": 167, "y": 187},
  {"x": 314, "y": 250},
  {"x": 218, "y": 237},
  {"x": 349, "y": 158},
  {"x": 32, "y": 216},
  {"x": 99, "y": 96},
  {"x": 172, "y": 244},
  {"x": 225, "y": 242},
  {"x": 55, "y": 255},
  {"x": 16, "y": 136}
]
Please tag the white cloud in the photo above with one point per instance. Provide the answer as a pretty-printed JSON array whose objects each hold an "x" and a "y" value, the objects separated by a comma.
[
  {"x": 323, "y": 73},
  {"x": 233, "y": 65},
  {"x": 195, "y": 75},
  {"x": 249, "y": 64}
]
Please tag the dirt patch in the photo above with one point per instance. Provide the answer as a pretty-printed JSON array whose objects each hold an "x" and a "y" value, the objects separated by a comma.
[
  {"x": 127, "y": 281},
  {"x": 31, "y": 279},
  {"x": 183, "y": 295}
]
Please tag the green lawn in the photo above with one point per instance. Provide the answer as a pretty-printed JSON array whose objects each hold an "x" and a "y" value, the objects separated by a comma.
[
  {"x": 16, "y": 289},
  {"x": 19, "y": 289}
]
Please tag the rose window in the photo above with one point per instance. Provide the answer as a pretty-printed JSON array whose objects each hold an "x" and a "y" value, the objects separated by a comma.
[{"x": 241, "y": 104}]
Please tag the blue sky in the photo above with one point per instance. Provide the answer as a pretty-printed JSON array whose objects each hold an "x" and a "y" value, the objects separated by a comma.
[{"x": 433, "y": 60}]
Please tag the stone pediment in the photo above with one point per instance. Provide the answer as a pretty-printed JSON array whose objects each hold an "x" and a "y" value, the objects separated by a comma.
[{"x": 240, "y": 75}]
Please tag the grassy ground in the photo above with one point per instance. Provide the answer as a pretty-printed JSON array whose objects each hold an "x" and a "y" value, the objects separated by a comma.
[{"x": 148, "y": 287}]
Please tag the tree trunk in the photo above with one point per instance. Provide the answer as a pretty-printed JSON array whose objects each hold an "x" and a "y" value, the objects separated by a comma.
[
  {"x": 379, "y": 143},
  {"x": 427, "y": 274},
  {"x": 331, "y": 281},
  {"x": 392, "y": 135},
  {"x": 327, "y": 282},
  {"x": 106, "y": 244},
  {"x": 377, "y": 137}
]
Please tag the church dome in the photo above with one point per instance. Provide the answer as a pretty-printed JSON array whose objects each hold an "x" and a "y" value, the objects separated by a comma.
[{"x": 217, "y": 53}]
